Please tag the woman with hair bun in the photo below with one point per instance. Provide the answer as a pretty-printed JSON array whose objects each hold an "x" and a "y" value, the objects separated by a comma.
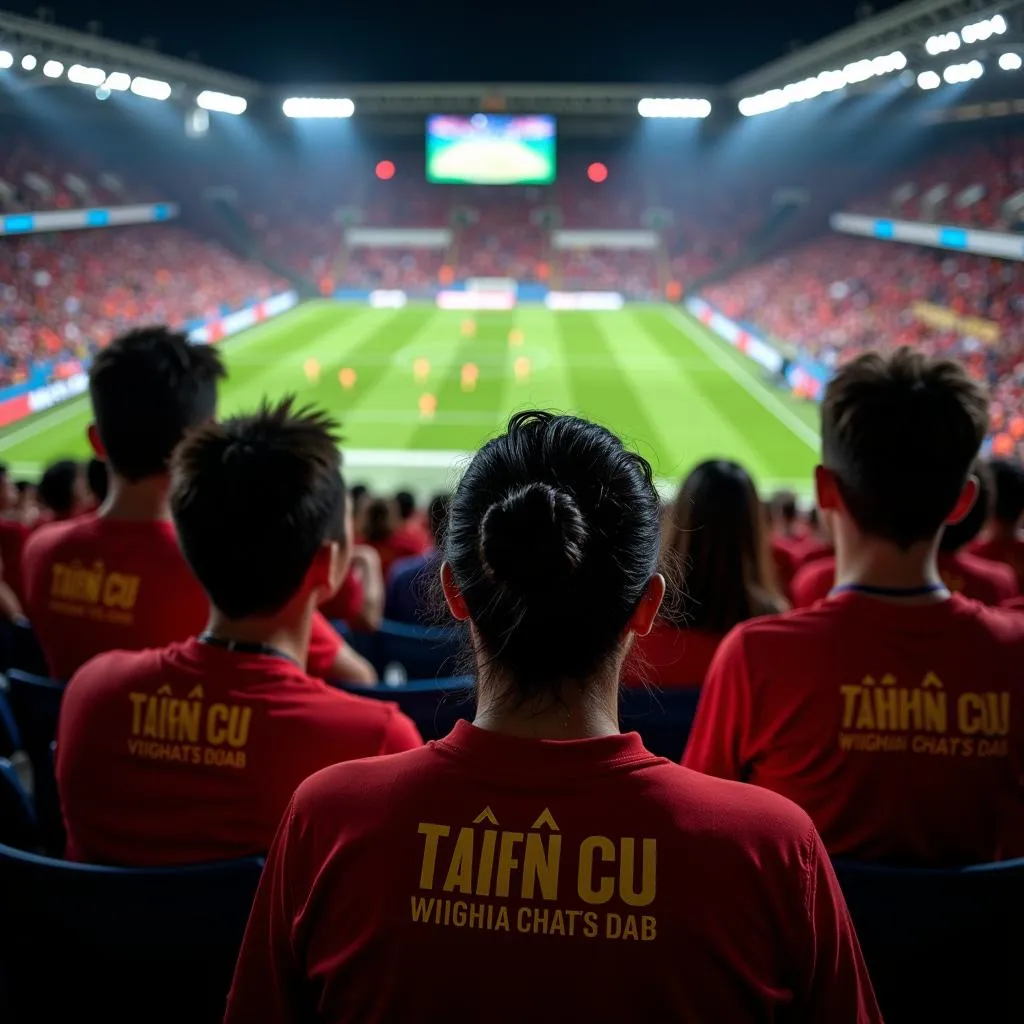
[{"x": 538, "y": 865}]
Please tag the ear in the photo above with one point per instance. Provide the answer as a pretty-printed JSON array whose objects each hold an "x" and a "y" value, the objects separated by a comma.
[
  {"x": 452, "y": 595},
  {"x": 95, "y": 443},
  {"x": 827, "y": 488},
  {"x": 328, "y": 569},
  {"x": 965, "y": 502},
  {"x": 647, "y": 610}
]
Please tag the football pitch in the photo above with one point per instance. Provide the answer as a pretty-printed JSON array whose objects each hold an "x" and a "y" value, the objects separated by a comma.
[{"x": 425, "y": 387}]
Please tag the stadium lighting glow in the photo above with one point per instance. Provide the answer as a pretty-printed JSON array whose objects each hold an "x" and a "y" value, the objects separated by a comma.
[
  {"x": 151, "y": 88},
  {"x": 6, "y": 59},
  {"x": 53, "y": 69},
  {"x": 928, "y": 80},
  {"x": 942, "y": 43},
  {"x": 979, "y": 31},
  {"x": 956, "y": 74},
  {"x": 118, "y": 81},
  {"x": 673, "y": 107},
  {"x": 826, "y": 81},
  {"x": 29, "y": 62},
  {"x": 221, "y": 102},
  {"x": 315, "y": 106},
  {"x": 81, "y": 75},
  {"x": 385, "y": 170},
  {"x": 1010, "y": 62}
]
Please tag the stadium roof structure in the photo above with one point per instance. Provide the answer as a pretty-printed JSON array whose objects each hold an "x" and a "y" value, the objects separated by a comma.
[{"x": 898, "y": 39}]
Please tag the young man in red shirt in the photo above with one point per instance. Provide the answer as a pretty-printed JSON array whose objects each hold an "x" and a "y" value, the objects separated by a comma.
[
  {"x": 1001, "y": 540},
  {"x": 893, "y": 712},
  {"x": 191, "y": 752},
  {"x": 116, "y": 579}
]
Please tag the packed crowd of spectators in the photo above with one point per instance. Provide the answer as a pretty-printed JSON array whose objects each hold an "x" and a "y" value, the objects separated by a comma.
[
  {"x": 968, "y": 186},
  {"x": 65, "y": 295}
]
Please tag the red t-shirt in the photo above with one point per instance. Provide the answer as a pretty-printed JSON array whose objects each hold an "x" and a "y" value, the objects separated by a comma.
[
  {"x": 473, "y": 879},
  {"x": 670, "y": 657},
  {"x": 12, "y": 542},
  {"x": 95, "y": 584},
  {"x": 964, "y": 573},
  {"x": 191, "y": 753},
  {"x": 347, "y": 603},
  {"x": 401, "y": 544},
  {"x": 898, "y": 728},
  {"x": 787, "y": 555},
  {"x": 1009, "y": 551}
]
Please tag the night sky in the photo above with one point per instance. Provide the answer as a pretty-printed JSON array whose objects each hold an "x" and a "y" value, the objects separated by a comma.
[{"x": 417, "y": 40}]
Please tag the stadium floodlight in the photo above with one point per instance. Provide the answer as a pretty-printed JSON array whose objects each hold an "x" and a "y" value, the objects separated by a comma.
[
  {"x": 1011, "y": 62},
  {"x": 118, "y": 81},
  {"x": 673, "y": 107},
  {"x": 151, "y": 88},
  {"x": 979, "y": 31},
  {"x": 831, "y": 81},
  {"x": 858, "y": 71},
  {"x": 317, "y": 106},
  {"x": 221, "y": 102},
  {"x": 942, "y": 43},
  {"x": 53, "y": 69},
  {"x": 928, "y": 80},
  {"x": 6, "y": 59},
  {"x": 81, "y": 75},
  {"x": 29, "y": 62},
  {"x": 956, "y": 74}
]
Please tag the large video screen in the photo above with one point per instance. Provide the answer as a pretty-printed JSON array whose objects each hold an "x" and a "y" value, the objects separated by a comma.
[{"x": 491, "y": 149}]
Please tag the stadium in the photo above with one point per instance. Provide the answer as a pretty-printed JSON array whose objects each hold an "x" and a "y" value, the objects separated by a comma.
[{"x": 421, "y": 501}]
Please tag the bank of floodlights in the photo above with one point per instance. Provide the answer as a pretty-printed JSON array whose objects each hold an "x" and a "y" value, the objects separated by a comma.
[
  {"x": 957, "y": 74},
  {"x": 221, "y": 102},
  {"x": 1010, "y": 62},
  {"x": 82, "y": 75},
  {"x": 827, "y": 81},
  {"x": 150, "y": 88},
  {"x": 317, "y": 106},
  {"x": 673, "y": 107}
]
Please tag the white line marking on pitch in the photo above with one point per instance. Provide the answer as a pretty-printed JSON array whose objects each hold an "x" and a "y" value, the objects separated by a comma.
[
  {"x": 754, "y": 388},
  {"x": 46, "y": 420}
]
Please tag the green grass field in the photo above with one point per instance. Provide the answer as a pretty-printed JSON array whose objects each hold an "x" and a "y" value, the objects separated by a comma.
[{"x": 651, "y": 373}]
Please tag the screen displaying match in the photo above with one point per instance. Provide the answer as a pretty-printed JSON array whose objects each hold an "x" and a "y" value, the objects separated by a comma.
[{"x": 491, "y": 149}]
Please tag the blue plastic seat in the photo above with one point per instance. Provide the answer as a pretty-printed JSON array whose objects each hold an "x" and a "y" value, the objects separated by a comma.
[
  {"x": 941, "y": 944},
  {"x": 83, "y": 942},
  {"x": 19, "y": 826},
  {"x": 662, "y": 717},
  {"x": 423, "y": 652},
  {"x": 435, "y": 705},
  {"x": 10, "y": 734}
]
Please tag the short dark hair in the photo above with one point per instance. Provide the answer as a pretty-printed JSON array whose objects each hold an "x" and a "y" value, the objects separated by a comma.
[
  {"x": 96, "y": 477},
  {"x": 148, "y": 388},
  {"x": 958, "y": 535},
  {"x": 716, "y": 533},
  {"x": 783, "y": 505},
  {"x": 437, "y": 516},
  {"x": 57, "y": 487},
  {"x": 553, "y": 535},
  {"x": 253, "y": 500},
  {"x": 406, "y": 502},
  {"x": 900, "y": 432},
  {"x": 1008, "y": 484}
]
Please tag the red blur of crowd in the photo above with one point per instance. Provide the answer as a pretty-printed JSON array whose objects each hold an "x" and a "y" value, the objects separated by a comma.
[
  {"x": 979, "y": 179},
  {"x": 66, "y": 295},
  {"x": 836, "y": 297}
]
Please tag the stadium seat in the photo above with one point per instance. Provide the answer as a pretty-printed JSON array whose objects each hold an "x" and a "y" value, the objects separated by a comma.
[
  {"x": 435, "y": 705},
  {"x": 941, "y": 944},
  {"x": 35, "y": 702},
  {"x": 26, "y": 653},
  {"x": 662, "y": 717},
  {"x": 84, "y": 942},
  {"x": 423, "y": 652},
  {"x": 19, "y": 826},
  {"x": 10, "y": 735}
]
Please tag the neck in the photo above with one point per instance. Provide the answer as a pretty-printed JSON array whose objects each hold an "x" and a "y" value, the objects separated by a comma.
[
  {"x": 870, "y": 562},
  {"x": 287, "y": 631},
  {"x": 577, "y": 712},
  {"x": 142, "y": 500}
]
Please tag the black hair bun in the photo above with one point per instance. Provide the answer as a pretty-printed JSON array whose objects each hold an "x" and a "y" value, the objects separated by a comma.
[{"x": 535, "y": 536}]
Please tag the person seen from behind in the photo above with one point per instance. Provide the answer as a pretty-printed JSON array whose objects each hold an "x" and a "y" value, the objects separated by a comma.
[
  {"x": 893, "y": 711},
  {"x": 410, "y": 589},
  {"x": 1001, "y": 539},
  {"x": 715, "y": 535},
  {"x": 116, "y": 579},
  {"x": 191, "y": 752},
  {"x": 540, "y": 837}
]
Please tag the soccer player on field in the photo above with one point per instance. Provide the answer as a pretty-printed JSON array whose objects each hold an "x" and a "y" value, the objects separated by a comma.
[
  {"x": 502, "y": 873},
  {"x": 191, "y": 752},
  {"x": 893, "y": 712},
  {"x": 116, "y": 579}
]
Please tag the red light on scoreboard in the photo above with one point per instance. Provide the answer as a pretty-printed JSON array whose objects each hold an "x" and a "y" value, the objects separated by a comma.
[
  {"x": 385, "y": 170},
  {"x": 597, "y": 173}
]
